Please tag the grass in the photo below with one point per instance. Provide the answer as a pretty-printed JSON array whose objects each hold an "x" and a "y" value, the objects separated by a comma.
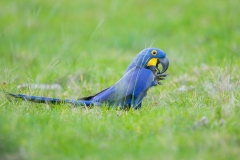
[{"x": 86, "y": 47}]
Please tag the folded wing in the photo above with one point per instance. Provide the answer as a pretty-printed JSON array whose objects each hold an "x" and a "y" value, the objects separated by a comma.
[{"x": 128, "y": 91}]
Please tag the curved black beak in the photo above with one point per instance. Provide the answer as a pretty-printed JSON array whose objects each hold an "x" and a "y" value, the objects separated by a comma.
[{"x": 165, "y": 63}]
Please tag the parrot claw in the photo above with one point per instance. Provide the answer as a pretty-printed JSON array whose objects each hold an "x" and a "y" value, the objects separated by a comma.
[{"x": 160, "y": 77}]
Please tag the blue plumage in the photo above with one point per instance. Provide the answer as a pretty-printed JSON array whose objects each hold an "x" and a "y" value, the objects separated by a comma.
[{"x": 129, "y": 91}]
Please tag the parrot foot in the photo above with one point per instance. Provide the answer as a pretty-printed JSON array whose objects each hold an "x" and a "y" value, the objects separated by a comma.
[{"x": 160, "y": 77}]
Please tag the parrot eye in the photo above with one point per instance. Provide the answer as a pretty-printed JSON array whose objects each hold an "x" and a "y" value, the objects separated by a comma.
[{"x": 154, "y": 52}]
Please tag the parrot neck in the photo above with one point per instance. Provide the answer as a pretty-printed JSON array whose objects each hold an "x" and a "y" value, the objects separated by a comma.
[{"x": 140, "y": 62}]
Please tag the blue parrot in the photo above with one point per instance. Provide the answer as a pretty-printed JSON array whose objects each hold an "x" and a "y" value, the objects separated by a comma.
[{"x": 142, "y": 74}]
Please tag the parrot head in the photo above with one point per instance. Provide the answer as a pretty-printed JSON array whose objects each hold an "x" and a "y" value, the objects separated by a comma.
[{"x": 150, "y": 58}]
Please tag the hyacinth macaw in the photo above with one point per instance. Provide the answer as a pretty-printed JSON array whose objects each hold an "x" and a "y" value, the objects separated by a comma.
[{"x": 142, "y": 74}]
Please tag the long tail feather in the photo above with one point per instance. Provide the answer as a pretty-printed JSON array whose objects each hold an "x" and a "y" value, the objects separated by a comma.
[{"x": 38, "y": 99}]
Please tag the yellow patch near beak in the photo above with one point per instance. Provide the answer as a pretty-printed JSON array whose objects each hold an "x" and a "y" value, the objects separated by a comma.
[{"x": 152, "y": 62}]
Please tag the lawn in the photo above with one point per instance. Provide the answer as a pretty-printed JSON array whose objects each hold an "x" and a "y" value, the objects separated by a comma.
[{"x": 85, "y": 47}]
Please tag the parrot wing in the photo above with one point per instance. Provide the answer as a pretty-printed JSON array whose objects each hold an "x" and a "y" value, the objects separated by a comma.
[{"x": 128, "y": 91}]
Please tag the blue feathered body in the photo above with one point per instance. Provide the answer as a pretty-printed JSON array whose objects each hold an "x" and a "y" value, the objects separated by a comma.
[{"x": 128, "y": 92}]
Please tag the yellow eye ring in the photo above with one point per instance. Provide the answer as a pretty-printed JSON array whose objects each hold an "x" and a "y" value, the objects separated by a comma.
[{"x": 154, "y": 52}]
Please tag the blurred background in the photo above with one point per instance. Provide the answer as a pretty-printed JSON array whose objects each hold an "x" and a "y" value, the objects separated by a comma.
[{"x": 42, "y": 41}]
